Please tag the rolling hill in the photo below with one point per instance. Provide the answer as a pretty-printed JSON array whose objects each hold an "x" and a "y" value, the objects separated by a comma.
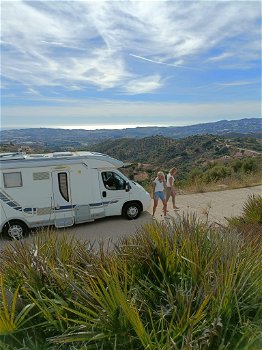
[{"x": 62, "y": 139}]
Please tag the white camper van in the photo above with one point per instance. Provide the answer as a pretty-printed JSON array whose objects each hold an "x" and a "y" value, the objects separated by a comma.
[{"x": 63, "y": 189}]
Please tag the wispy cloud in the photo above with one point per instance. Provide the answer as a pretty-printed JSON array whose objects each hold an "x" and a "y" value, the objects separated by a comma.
[
  {"x": 178, "y": 65},
  {"x": 143, "y": 85},
  {"x": 32, "y": 91},
  {"x": 220, "y": 57},
  {"x": 87, "y": 43},
  {"x": 237, "y": 83}
]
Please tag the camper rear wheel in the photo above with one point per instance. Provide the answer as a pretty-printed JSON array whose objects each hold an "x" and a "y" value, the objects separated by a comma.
[
  {"x": 132, "y": 210},
  {"x": 15, "y": 229}
]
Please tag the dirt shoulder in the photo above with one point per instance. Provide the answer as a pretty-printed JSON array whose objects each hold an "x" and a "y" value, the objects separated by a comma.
[{"x": 215, "y": 206}]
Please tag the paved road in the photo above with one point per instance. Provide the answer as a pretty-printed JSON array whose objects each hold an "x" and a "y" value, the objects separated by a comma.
[{"x": 212, "y": 205}]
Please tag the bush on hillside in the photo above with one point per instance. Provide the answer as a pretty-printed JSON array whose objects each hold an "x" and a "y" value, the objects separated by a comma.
[
  {"x": 216, "y": 173},
  {"x": 237, "y": 173},
  {"x": 249, "y": 165}
]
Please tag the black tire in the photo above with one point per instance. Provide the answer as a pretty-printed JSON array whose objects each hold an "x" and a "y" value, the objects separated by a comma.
[
  {"x": 132, "y": 210},
  {"x": 15, "y": 229}
]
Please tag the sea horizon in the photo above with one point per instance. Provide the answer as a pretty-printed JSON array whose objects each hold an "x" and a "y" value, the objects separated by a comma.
[
  {"x": 93, "y": 127},
  {"x": 96, "y": 127}
]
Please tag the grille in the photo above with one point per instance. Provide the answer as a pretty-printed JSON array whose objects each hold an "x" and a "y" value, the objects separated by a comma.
[
  {"x": 44, "y": 211},
  {"x": 41, "y": 176}
]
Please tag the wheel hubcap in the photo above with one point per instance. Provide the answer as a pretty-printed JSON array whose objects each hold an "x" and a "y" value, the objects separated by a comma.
[
  {"x": 132, "y": 212},
  {"x": 15, "y": 231}
]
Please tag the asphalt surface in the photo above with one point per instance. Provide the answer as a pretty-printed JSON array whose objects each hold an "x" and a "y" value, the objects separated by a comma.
[{"x": 211, "y": 206}]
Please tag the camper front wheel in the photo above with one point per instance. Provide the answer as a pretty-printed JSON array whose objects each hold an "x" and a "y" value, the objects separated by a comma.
[
  {"x": 15, "y": 229},
  {"x": 132, "y": 211}
]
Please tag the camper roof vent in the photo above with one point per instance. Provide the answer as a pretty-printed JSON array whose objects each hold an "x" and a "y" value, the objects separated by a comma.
[
  {"x": 38, "y": 156},
  {"x": 62, "y": 154},
  {"x": 12, "y": 155}
]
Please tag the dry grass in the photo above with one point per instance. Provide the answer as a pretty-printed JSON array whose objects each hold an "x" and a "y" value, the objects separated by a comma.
[{"x": 225, "y": 184}]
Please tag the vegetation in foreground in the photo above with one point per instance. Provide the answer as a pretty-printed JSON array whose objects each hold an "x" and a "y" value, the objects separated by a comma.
[
  {"x": 250, "y": 222},
  {"x": 185, "y": 285}
]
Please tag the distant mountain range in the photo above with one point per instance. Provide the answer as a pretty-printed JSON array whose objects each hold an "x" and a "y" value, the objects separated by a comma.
[{"x": 54, "y": 138}]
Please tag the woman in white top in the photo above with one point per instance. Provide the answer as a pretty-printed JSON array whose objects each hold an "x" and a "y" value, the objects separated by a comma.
[
  {"x": 159, "y": 186},
  {"x": 170, "y": 191}
]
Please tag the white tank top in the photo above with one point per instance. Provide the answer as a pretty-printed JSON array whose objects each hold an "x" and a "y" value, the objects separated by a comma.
[
  {"x": 169, "y": 176},
  {"x": 159, "y": 185}
]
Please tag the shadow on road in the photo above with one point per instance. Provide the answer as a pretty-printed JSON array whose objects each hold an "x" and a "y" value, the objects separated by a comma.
[{"x": 107, "y": 229}]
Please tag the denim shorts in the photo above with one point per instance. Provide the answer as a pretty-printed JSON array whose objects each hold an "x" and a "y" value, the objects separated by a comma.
[{"x": 159, "y": 194}]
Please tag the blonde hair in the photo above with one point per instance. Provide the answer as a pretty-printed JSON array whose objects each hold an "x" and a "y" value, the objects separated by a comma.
[
  {"x": 172, "y": 170},
  {"x": 160, "y": 173}
]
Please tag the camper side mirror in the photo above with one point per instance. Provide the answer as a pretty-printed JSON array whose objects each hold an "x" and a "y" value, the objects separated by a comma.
[{"x": 127, "y": 187}]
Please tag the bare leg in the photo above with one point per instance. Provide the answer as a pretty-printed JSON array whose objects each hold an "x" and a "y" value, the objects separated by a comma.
[
  {"x": 168, "y": 193},
  {"x": 164, "y": 206},
  {"x": 173, "y": 195},
  {"x": 155, "y": 205}
]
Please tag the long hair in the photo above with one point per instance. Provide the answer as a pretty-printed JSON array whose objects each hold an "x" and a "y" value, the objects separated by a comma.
[
  {"x": 172, "y": 170},
  {"x": 161, "y": 173}
]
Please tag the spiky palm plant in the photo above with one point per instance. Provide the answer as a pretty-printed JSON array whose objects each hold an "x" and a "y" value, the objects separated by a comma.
[
  {"x": 183, "y": 285},
  {"x": 250, "y": 222}
]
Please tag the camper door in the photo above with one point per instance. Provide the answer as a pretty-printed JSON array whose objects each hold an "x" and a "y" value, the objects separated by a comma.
[
  {"x": 114, "y": 191},
  {"x": 62, "y": 200}
]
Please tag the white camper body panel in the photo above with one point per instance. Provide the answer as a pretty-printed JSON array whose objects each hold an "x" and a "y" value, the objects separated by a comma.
[{"x": 64, "y": 189}]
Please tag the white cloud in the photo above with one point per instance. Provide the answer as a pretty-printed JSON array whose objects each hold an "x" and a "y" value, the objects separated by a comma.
[
  {"x": 83, "y": 43},
  {"x": 237, "y": 83},
  {"x": 178, "y": 64},
  {"x": 32, "y": 91},
  {"x": 221, "y": 57},
  {"x": 143, "y": 85}
]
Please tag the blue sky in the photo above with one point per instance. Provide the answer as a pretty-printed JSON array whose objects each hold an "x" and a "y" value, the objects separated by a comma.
[{"x": 95, "y": 64}]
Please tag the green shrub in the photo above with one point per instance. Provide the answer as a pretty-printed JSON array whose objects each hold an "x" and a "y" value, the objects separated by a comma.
[
  {"x": 195, "y": 175},
  {"x": 249, "y": 165},
  {"x": 237, "y": 165},
  {"x": 216, "y": 173},
  {"x": 250, "y": 221},
  {"x": 183, "y": 285}
]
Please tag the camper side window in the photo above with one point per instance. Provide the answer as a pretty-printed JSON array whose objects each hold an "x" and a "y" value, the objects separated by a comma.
[
  {"x": 13, "y": 180},
  {"x": 63, "y": 185},
  {"x": 113, "y": 181}
]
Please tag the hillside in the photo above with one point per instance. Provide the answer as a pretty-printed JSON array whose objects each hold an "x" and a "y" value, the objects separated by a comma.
[
  {"x": 61, "y": 139},
  {"x": 148, "y": 155},
  {"x": 162, "y": 149},
  {"x": 230, "y": 155},
  {"x": 159, "y": 151}
]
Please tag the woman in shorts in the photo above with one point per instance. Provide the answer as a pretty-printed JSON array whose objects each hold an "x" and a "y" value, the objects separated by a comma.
[
  {"x": 170, "y": 191},
  {"x": 159, "y": 187}
]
